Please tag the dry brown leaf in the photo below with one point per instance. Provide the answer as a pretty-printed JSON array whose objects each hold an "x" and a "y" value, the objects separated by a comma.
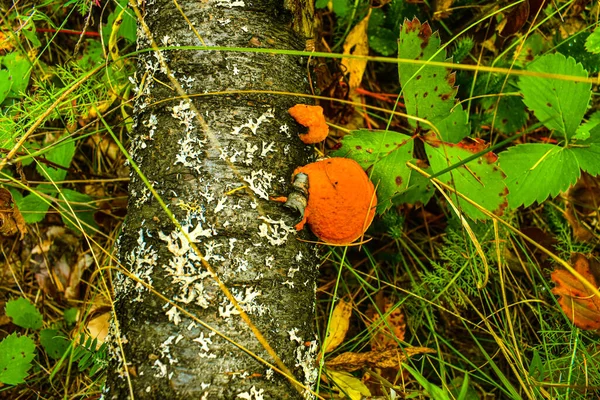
[
  {"x": 386, "y": 333},
  {"x": 390, "y": 358},
  {"x": 98, "y": 327},
  {"x": 340, "y": 322},
  {"x": 583, "y": 205},
  {"x": 11, "y": 220},
  {"x": 442, "y": 9},
  {"x": 357, "y": 44},
  {"x": 580, "y": 306}
]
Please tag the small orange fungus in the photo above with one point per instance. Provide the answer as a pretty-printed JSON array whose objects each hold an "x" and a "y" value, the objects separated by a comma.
[
  {"x": 312, "y": 117},
  {"x": 341, "y": 200}
]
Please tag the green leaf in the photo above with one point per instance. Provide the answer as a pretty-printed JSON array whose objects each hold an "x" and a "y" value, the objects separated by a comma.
[
  {"x": 592, "y": 43},
  {"x": 341, "y": 7},
  {"x": 574, "y": 46},
  {"x": 16, "y": 353},
  {"x": 19, "y": 67},
  {"x": 509, "y": 115},
  {"x": 127, "y": 28},
  {"x": 535, "y": 171},
  {"x": 583, "y": 132},
  {"x": 481, "y": 180},
  {"x": 82, "y": 205},
  {"x": 383, "y": 41},
  {"x": 321, "y": 3},
  {"x": 384, "y": 154},
  {"x": 428, "y": 91},
  {"x": 587, "y": 152},
  {"x": 60, "y": 154},
  {"x": 419, "y": 189},
  {"x": 70, "y": 315},
  {"x": 5, "y": 84},
  {"x": 24, "y": 314},
  {"x": 33, "y": 207},
  {"x": 54, "y": 343},
  {"x": 559, "y": 104},
  {"x": 352, "y": 387}
]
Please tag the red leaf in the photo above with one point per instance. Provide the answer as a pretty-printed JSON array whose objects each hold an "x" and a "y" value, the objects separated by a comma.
[{"x": 580, "y": 306}]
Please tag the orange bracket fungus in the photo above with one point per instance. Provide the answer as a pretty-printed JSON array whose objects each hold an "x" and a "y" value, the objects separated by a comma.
[
  {"x": 341, "y": 199},
  {"x": 312, "y": 117}
]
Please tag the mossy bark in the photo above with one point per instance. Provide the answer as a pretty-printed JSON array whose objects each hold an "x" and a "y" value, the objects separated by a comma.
[{"x": 214, "y": 160}]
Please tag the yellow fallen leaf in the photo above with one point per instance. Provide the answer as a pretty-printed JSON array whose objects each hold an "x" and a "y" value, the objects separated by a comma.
[
  {"x": 357, "y": 44},
  {"x": 349, "y": 385},
  {"x": 340, "y": 322}
]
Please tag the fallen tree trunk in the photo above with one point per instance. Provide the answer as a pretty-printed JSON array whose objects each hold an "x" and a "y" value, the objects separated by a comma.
[{"x": 214, "y": 160}]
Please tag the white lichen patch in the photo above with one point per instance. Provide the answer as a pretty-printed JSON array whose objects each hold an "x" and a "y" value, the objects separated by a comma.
[
  {"x": 151, "y": 123},
  {"x": 140, "y": 262},
  {"x": 230, "y": 3},
  {"x": 221, "y": 204},
  {"x": 266, "y": 148},
  {"x": 306, "y": 359},
  {"x": 184, "y": 114},
  {"x": 178, "y": 244},
  {"x": 260, "y": 183},
  {"x": 174, "y": 315},
  {"x": 275, "y": 231},
  {"x": 204, "y": 342},
  {"x": 285, "y": 130},
  {"x": 247, "y": 299},
  {"x": 190, "y": 152},
  {"x": 250, "y": 150},
  {"x": 253, "y": 394},
  {"x": 252, "y": 124}
]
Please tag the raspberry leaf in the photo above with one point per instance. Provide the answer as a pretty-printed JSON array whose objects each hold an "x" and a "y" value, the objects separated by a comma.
[{"x": 16, "y": 353}]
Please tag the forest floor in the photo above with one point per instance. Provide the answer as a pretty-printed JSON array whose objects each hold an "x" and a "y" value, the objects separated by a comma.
[{"x": 479, "y": 276}]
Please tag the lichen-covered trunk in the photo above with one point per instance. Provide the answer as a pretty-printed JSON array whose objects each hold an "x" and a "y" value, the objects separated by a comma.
[{"x": 214, "y": 160}]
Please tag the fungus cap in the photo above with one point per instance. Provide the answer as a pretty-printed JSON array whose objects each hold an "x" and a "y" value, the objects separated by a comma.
[
  {"x": 313, "y": 118},
  {"x": 341, "y": 200}
]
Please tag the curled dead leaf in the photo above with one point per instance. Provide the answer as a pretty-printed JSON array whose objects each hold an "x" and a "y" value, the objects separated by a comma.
[
  {"x": 389, "y": 358},
  {"x": 11, "y": 220},
  {"x": 579, "y": 305}
]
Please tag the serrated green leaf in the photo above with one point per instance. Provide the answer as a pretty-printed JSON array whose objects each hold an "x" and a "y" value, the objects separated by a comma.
[
  {"x": 16, "y": 353},
  {"x": 33, "y": 207},
  {"x": 60, "y": 154},
  {"x": 559, "y": 104},
  {"x": 574, "y": 46},
  {"x": 455, "y": 126},
  {"x": 592, "y": 43},
  {"x": 54, "y": 343},
  {"x": 24, "y": 314},
  {"x": 481, "y": 180},
  {"x": 5, "y": 84},
  {"x": 583, "y": 131},
  {"x": 341, "y": 7},
  {"x": 587, "y": 152},
  {"x": 428, "y": 91},
  {"x": 82, "y": 205},
  {"x": 384, "y": 155},
  {"x": 536, "y": 171},
  {"x": 509, "y": 115},
  {"x": 383, "y": 41},
  {"x": 321, "y": 3}
]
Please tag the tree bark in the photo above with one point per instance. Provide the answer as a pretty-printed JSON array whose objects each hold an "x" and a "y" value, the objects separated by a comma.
[{"x": 214, "y": 160}]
